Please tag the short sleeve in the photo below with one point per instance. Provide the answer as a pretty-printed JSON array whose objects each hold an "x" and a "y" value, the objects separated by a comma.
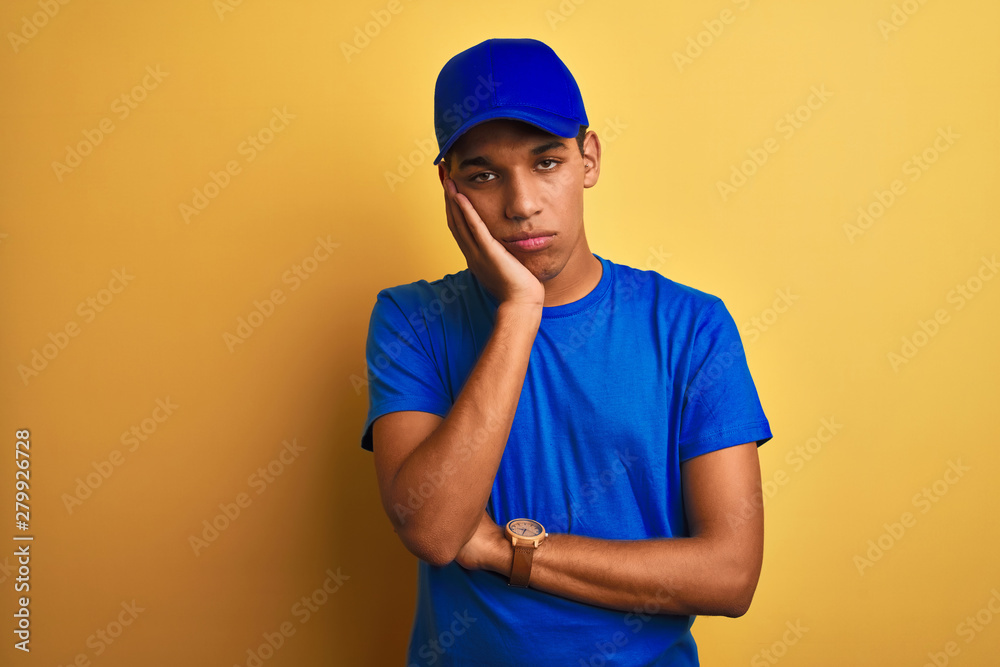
[
  {"x": 402, "y": 374},
  {"x": 721, "y": 407}
]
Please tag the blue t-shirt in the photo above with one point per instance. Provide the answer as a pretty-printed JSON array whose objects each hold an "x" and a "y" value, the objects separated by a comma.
[{"x": 622, "y": 386}]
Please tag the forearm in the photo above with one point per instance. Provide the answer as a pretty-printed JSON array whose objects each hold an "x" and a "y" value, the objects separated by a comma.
[
  {"x": 687, "y": 575},
  {"x": 442, "y": 488}
]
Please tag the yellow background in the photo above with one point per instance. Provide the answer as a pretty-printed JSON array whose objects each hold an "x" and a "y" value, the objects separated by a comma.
[{"x": 682, "y": 128}]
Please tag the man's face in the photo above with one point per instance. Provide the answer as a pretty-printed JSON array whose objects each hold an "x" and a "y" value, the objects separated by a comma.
[{"x": 521, "y": 179}]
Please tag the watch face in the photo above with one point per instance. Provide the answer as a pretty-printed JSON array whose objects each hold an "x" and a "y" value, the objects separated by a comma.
[{"x": 525, "y": 527}]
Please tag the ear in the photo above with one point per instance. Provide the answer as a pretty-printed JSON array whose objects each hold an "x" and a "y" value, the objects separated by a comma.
[
  {"x": 443, "y": 171},
  {"x": 591, "y": 159}
]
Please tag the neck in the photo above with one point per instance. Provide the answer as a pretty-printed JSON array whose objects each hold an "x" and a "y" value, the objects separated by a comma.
[{"x": 578, "y": 278}]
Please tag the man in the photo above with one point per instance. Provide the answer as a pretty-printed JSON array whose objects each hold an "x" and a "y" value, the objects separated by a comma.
[{"x": 568, "y": 444}]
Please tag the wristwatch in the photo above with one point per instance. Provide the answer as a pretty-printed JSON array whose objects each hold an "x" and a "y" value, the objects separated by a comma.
[{"x": 525, "y": 536}]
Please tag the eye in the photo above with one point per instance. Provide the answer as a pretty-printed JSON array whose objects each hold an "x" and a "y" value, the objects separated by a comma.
[{"x": 475, "y": 177}]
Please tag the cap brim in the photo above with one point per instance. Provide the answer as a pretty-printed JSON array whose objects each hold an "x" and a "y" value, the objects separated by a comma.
[{"x": 552, "y": 123}]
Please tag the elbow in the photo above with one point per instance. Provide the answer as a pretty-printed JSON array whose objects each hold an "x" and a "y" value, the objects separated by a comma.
[
  {"x": 739, "y": 584},
  {"x": 435, "y": 555},
  {"x": 413, "y": 534},
  {"x": 734, "y": 584},
  {"x": 737, "y": 609},
  {"x": 739, "y": 596},
  {"x": 430, "y": 538},
  {"x": 434, "y": 552},
  {"x": 728, "y": 596}
]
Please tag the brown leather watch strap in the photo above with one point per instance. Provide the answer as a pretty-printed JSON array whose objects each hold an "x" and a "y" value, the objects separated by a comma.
[{"x": 520, "y": 571}]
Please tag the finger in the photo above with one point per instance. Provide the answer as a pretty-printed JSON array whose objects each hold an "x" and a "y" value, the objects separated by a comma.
[
  {"x": 459, "y": 230},
  {"x": 476, "y": 226},
  {"x": 450, "y": 215},
  {"x": 459, "y": 220},
  {"x": 447, "y": 209},
  {"x": 494, "y": 252}
]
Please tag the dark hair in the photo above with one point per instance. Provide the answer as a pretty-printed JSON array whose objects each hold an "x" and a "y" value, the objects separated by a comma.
[
  {"x": 579, "y": 142},
  {"x": 580, "y": 137}
]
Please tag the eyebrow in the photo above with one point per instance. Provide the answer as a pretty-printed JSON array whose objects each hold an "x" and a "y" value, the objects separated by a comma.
[{"x": 480, "y": 161}]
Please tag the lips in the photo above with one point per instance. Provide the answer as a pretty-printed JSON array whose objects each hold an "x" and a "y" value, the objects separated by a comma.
[
  {"x": 522, "y": 236},
  {"x": 531, "y": 241}
]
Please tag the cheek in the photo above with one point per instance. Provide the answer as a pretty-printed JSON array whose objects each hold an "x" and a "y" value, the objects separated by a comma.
[
  {"x": 568, "y": 176},
  {"x": 560, "y": 190},
  {"x": 488, "y": 208},
  {"x": 490, "y": 211}
]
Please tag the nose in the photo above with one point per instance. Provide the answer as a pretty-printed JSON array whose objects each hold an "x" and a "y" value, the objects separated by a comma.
[{"x": 522, "y": 197}]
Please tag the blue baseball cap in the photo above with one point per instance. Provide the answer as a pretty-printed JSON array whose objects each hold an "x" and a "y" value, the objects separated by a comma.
[{"x": 519, "y": 79}]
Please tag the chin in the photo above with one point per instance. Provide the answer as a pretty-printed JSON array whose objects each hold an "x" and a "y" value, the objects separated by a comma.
[{"x": 543, "y": 268}]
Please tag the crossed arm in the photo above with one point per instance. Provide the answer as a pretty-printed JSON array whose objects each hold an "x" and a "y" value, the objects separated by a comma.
[{"x": 713, "y": 572}]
